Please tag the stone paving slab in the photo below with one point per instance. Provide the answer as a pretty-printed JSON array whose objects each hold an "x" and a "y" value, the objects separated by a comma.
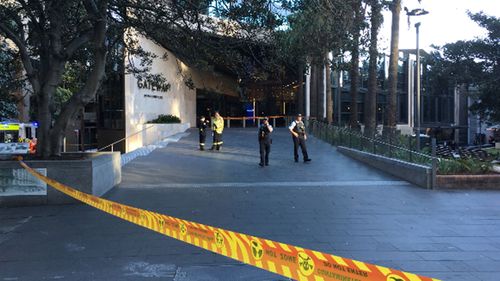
[{"x": 337, "y": 206}]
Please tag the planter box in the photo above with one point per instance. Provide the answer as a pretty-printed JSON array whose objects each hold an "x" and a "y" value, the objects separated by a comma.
[
  {"x": 417, "y": 174},
  {"x": 95, "y": 174},
  {"x": 468, "y": 182}
]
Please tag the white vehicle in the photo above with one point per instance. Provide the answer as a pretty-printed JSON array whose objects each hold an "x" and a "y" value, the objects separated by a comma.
[{"x": 17, "y": 138}]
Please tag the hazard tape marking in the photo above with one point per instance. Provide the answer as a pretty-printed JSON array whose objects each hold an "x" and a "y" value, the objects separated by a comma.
[{"x": 287, "y": 260}]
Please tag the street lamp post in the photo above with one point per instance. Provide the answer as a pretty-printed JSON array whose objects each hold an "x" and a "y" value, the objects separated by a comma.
[
  {"x": 417, "y": 26},
  {"x": 417, "y": 12}
]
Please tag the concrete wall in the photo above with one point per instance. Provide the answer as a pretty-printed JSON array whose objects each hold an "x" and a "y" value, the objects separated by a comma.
[
  {"x": 96, "y": 174},
  {"x": 145, "y": 104},
  {"x": 152, "y": 133},
  {"x": 414, "y": 173}
]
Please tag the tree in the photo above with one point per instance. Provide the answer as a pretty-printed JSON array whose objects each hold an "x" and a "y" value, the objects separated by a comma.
[
  {"x": 472, "y": 63},
  {"x": 318, "y": 27},
  {"x": 376, "y": 20},
  {"x": 395, "y": 7},
  {"x": 8, "y": 82},
  {"x": 47, "y": 35},
  {"x": 358, "y": 26}
]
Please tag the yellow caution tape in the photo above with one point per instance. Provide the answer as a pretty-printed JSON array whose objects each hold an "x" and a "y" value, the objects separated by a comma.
[{"x": 283, "y": 259}]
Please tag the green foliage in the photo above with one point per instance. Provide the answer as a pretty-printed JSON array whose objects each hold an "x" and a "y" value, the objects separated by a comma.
[
  {"x": 473, "y": 63},
  {"x": 463, "y": 166},
  {"x": 317, "y": 27},
  {"x": 9, "y": 82},
  {"x": 165, "y": 119}
]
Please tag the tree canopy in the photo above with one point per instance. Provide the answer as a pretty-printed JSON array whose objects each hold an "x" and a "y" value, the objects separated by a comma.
[{"x": 473, "y": 63}]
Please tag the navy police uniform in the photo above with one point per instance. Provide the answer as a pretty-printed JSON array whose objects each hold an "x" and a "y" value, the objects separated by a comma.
[
  {"x": 299, "y": 128},
  {"x": 265, "y": 142}
]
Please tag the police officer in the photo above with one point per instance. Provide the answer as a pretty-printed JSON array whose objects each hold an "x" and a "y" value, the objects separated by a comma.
[
  {"x": 202, "y": 129},
  {"x": 217, "y": 129},
  {"x": 299, "y": 136},
  {"x": 265, "y": 141}
]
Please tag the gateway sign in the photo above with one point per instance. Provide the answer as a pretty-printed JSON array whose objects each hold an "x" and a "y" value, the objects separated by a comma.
[{"x": 154, "y": 86}]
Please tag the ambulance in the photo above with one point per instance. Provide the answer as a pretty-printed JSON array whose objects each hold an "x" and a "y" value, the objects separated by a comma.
[{"x": 18, "y": 138}]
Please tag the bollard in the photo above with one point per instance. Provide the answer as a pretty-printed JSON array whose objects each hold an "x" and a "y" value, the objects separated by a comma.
[
  {"x": 274, "y": 122},
  {"x": 228, "y": 123},
  {"x": 244, "y": 122}
]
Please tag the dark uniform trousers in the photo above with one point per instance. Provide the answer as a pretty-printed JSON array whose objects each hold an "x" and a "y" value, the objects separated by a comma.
[
  {"x": 217, "y": 142},
  {"x": 299, "y": 141},
  {"x": 203, "y": 138},
  {"x": 265, "y": 149}
]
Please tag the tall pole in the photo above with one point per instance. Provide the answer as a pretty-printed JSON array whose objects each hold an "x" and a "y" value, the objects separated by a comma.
[
  {"x": 417, "y": 26},
  {"x": 324, "y": 92},
  {"x": 308, "y": 92},
  {"x": 339, "y": 93}
]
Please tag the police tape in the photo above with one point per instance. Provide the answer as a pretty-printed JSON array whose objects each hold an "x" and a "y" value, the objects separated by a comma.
[{"x": 283, "y": 259}]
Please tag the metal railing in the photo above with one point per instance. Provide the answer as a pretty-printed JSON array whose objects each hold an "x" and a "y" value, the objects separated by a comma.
[
  {"x": 399, "y": 147},
  {"x": 123, "y": 139},
  {"x": 286, "y": 120}
]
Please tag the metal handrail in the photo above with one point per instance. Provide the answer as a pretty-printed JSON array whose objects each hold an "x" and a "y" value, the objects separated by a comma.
[
  {"x": 357, "y": 134},
  {"x": 122, "y": 139}
]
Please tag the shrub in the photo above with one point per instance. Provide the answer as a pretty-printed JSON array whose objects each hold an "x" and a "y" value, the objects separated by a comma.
[
  {"x": 463, "y": 166},
  {"x": 165, "y": 119}
]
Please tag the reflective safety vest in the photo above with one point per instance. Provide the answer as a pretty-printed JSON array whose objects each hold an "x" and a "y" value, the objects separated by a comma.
[{"x": 218, "y": 125}]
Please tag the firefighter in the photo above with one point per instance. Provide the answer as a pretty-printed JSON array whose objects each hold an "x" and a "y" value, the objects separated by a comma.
[
  {"x": 265, "y": 141},
  {"x": 217, "y": 129},
  {"x": 202, "y": 128},
  {"x": 299, "y": 136}
]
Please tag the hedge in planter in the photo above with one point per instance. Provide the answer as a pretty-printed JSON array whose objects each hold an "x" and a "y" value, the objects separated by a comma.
[{"x": 165, "y": 119}]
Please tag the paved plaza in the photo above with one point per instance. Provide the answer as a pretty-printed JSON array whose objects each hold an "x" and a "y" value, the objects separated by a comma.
[{"x": 333, "y": 204}]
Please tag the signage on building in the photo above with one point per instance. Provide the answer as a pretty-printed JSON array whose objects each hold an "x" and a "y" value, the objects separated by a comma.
[{"x": 159, "y": 86}]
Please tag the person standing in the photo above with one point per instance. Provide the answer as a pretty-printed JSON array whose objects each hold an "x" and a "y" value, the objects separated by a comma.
[
  {"x": 202, "y": 129},
  {"x": 299, "y": 136},
  {"x": 265, "y": 141},
  {"x": 217, "y": 129}
]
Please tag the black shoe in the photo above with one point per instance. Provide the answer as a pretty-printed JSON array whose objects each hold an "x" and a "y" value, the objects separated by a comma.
[
  {"x": 296, "y": 160},
  {"x": 267, "y": 164},
  {"x": 260, "y": 164},
  {"x": 307, "y": 160},
  {"x": 212, "y": 148}
]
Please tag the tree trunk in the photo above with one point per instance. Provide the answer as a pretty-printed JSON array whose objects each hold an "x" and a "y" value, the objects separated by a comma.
[
  {"x": 300, "y": 93},
  {"x": 393, "y": 67},
  {"x": 314, "y": 90},
  {"x": 354, "y": 73},
  {"x": 371, "y": 96},
  {"x": 329, "y": 97},
  {"x": 86, "y": 94},
  {"x": 45, "y": 106}
]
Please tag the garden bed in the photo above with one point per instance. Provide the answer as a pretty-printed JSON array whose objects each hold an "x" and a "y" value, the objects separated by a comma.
[{"x": 487, "y": 181}]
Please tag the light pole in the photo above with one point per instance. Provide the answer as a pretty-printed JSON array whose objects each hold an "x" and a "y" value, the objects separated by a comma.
[
  {"x": 417, "y": 26},
  {"x": 417, "y": 12}
]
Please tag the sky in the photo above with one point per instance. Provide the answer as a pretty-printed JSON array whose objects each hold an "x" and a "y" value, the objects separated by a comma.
[{"x": 446, "y": 22}]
